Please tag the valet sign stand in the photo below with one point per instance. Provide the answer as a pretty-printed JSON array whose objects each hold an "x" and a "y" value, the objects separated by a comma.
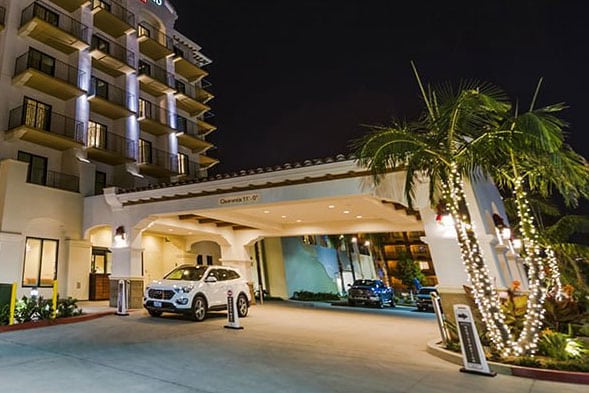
[
  {"x": 232, "y": 314},
  {"x": 470, "y": 343}
]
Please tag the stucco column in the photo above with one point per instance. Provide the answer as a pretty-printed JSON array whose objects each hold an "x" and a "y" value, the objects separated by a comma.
[{"x": 127, "y": 265}]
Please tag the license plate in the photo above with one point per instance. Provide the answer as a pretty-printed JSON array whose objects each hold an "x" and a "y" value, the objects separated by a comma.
[{"x": 157, "y": 304}]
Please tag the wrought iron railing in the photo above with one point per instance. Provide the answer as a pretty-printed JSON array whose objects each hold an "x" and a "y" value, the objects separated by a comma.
[
  {"x": 112, "y": 49},
  {"x": 116, "y": 9},
  {"x": 159, "y": 158},
  {"x": 146, "y": 30},
  {"x": 153, "y": 112},
  {"x": 156, "y": 72},
  {"x": 186, "y": 126},
  {"x": 115, "y": 144},
  {"x": 57, "y": 69},
  {"x": 109, "y": 92},
  {"x": 56, "y": 18},
  {"x": 45, "y": 120}
]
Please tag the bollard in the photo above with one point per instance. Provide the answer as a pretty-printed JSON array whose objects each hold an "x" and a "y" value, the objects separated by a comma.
[
  {"x": 12, "y": 304},
  {"x": 122, "y": 296},
  {"x": 232, "y": 314},
  {"x": 54, "y": 300}
]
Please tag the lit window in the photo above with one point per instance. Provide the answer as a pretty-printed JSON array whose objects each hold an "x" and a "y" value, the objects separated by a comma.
[{"x": 40, "y": 268}]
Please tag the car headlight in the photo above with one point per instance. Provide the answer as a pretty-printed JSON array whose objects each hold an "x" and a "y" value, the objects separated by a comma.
[
  {"x": 182, "y": 301},
  {"x": 184, "y": 289}
]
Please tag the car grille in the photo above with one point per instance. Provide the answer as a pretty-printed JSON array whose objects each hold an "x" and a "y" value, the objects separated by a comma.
[
  {"x": 160, "y": 294},
  {"x": 360, "y": 292}
]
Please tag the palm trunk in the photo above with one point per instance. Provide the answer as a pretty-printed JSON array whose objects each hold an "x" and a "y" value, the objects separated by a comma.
[{"x": 485, "y": 295}]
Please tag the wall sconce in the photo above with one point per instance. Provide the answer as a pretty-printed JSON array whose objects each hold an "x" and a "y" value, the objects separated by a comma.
[{"x": 120, "y": 237}]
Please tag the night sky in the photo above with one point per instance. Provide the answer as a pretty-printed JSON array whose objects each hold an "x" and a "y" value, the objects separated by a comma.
[{"x": 296, "y": 80}]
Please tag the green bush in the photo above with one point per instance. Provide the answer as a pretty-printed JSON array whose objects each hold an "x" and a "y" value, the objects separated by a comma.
[
  {"x": 67, "y": 307},
  {"x": 33, "y": 309},
  {"x": 315, "y": 296},
  {"x": 560, "y": 346}
]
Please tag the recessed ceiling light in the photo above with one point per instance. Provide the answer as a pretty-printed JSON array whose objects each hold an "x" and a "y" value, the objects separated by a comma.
[
  {"x": 283, "y": 216},
  {"x": 171, "y": 230},
  {"x": 331, "y": 206},
  {"x": 266, "y": 211},
  {"x": 346, "y": 212},
  {"x": 358, "y": 216},
  {"x": 190, "y": 233},
  {"x": 299, "y": 220}
]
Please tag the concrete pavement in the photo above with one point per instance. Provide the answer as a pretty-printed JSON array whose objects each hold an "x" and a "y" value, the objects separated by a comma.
[{"x": 282, "y": 348}]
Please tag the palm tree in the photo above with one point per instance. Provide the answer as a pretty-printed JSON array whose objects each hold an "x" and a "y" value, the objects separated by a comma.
[
  {"x": 446, "y": 145},
  {"x": 535, "y": 158}
]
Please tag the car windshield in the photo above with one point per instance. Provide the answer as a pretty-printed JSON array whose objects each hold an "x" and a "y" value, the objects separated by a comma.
[
  {"x": 186, "y": 273},
  {"x": 365, "y": 283},
  {"x": 426, "y": 291}
]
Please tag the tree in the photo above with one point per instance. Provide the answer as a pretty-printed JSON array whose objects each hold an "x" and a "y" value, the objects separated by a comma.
[
  {"x": 445, "y": 145},
  {"x": 408, "y": 271}
]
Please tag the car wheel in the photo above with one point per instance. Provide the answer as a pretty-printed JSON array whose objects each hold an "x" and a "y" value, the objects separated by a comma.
[
  {"x": 393, "y": 304},
  {"x": 380, "y": 303},
  {"x": 242, "y": 306},
  {"x": 199, "y": 309},
  {"x": 351, "y": 303},
  {"x": 155, "y": 313}
]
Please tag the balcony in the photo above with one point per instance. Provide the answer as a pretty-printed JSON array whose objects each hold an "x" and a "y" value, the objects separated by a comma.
[
  {"x": 112, "y": 18},
  {"x": 157, "y": 163},
  {"x": 204, "y": 128},
  {"x": 2, "y": 17},
  {"x": 45, "y": 128},
  {"x": 111, "y": 149},
  {"x": 188, "y": 136},
  {"x": 110, "y": 57},
  {"x": 203, "y": 95},
  {"x": 108, "y": 100},
  {"x": 35, "y": 70},
  {"x": 53, "y": 28},
  {"x": 185, "y": 64},
  {"x": 154, "y": 119},
  {"x": 186, "y": 99},
  {"x": 69, "y": 5},
  {"x": 154, "y": 79},
  {"x": 57, "y": 180},
  {"x": 206, "y": 162},
  {"x": 153, "y": 43}
]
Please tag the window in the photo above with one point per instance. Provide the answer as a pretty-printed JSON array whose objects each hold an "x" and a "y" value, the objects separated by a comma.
[
  {"x": 97, "y": 135},
  {"x": 144, "y": 152},
  {"x": 182, "y": 164},
  {"x": 181, "y": 123},
  {"x": 36, "y": 114},
  {"x": 37, "y": 172},
  {"x": 144, "y": 108},
  {"x": 199, "y": 260},
  {"x": 99, "y": 88},
  {"x": 178, "y": 51},
  {"x": 102, "y": 4},
  {"x": 42, "y": 62},
  {"x": 99, "y": 182},
  {"x": 143, "y": 30},
  {"x": 101, "y": 260},
  {"x": 46, "y": 15},
  {"x": 180, "y": 87},
  {"x": 144, "y": 68},
  {"x": 209, "y": 260},
  {"x": 40, "y": 268},
  {"x": 100, "y": 43}
]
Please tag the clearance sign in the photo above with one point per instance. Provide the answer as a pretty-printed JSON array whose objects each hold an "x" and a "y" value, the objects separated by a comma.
[{"x": 156, "y": 2}]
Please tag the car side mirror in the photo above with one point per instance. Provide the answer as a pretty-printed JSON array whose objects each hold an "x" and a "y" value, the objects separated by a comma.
[{"x": 211, "y": 279}]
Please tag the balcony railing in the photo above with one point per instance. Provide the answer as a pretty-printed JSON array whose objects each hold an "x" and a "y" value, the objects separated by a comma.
[
  {"x": 109, "y": 92},
  {"x": 186, "y": 126},
  {"x": 52, "y": 122},
  {"x": 62, "y": 181},
  {"x": 116, "y": 9},
  {"x": 159, "y": 158},
  {"x": 112, "y": 49},
  {"x": 57, "y": 69},
  {"x": 147, "y": 30},
  {"x": 56, "y": 18},
  {"x": 116, "y": 145},
  {"x": 153, "y": 112},
  {"x": 156, "y": 72}
]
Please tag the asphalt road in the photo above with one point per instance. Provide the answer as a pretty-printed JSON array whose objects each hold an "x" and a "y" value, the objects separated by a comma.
[{"x": 282, "y": 348}]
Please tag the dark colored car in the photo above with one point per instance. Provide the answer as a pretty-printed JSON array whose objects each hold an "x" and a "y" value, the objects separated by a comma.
[
  {"x": 424, "y": 298},
  {"x": 370, "y": 292}
]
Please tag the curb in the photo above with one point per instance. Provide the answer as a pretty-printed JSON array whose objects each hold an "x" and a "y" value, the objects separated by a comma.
[
  {"x": 53, "y": 322},
  {"x": 577, "y": 377}
]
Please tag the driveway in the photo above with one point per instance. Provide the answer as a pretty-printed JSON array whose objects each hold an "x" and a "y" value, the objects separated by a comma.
[{"x": 282, "y": 348}]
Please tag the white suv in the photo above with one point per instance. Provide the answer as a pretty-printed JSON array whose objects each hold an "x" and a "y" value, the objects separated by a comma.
[{"x": 193, "y": 290}]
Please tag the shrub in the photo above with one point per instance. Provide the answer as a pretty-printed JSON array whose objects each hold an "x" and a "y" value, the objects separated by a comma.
[
  {"x": 67, "y": 307},
  {"x": 560, "y": 346},
  {"x": 33, "y": 309}
]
